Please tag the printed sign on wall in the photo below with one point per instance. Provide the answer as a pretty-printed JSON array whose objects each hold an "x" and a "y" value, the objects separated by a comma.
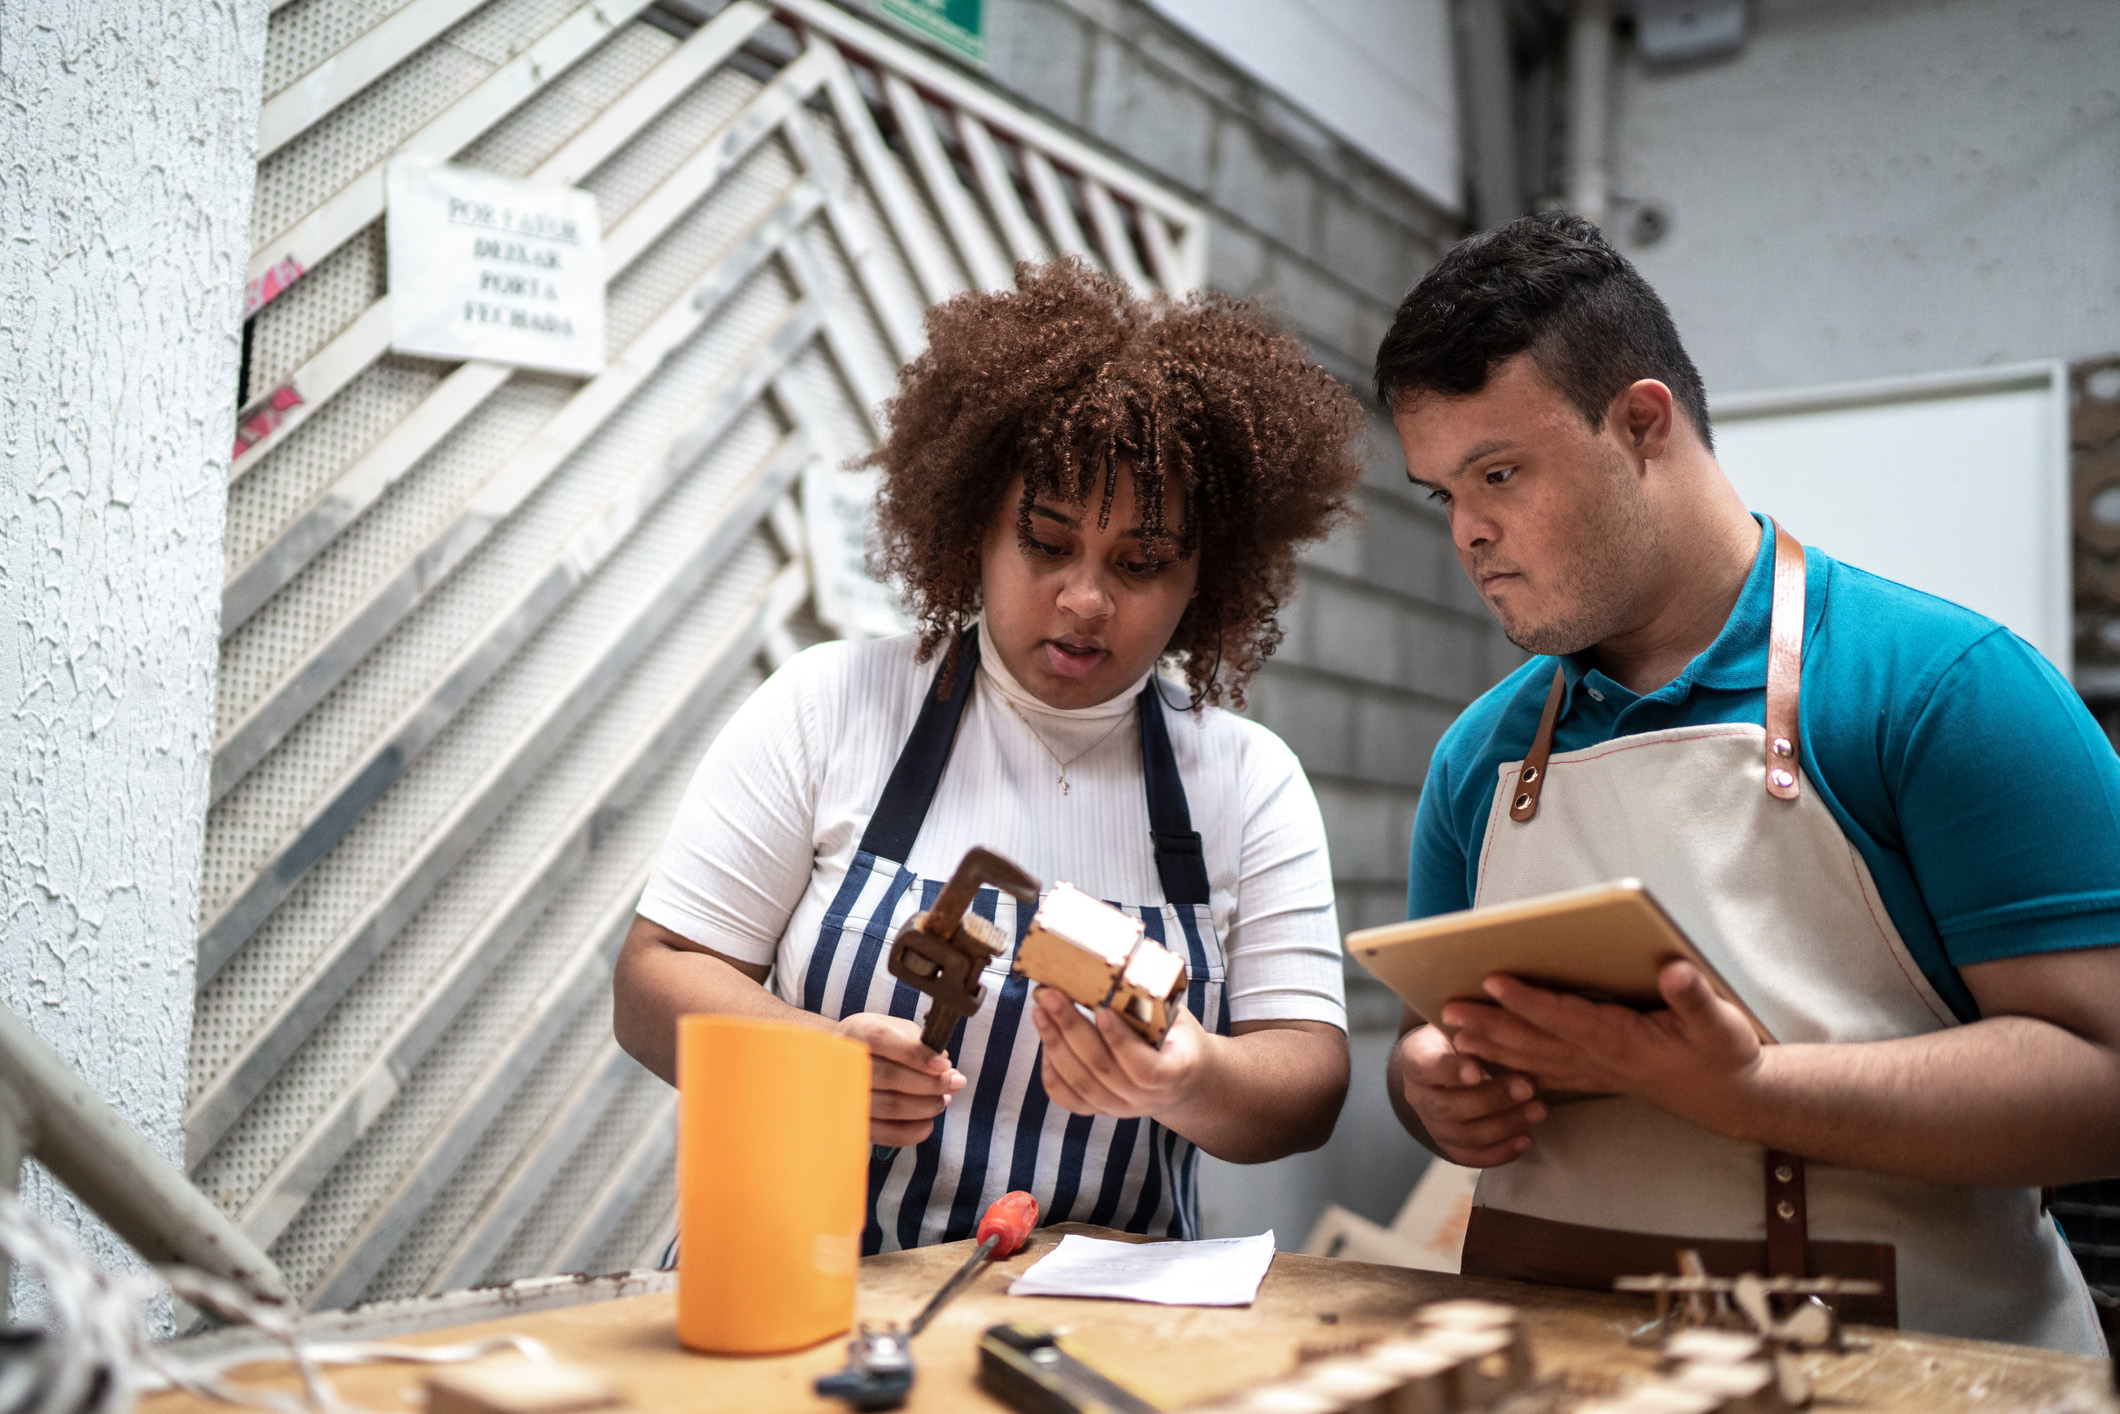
[
  {"x": 839, "y": 508},
  {"x": 490, "y": 267},
  {"x": 957, "y": 25}
]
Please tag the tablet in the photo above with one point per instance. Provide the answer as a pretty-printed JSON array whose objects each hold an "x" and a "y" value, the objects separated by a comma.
[{"x": 1606, "y": 942}]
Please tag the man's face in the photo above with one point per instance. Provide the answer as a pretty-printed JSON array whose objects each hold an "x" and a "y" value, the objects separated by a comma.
[{"x": 1547, "y": 513}]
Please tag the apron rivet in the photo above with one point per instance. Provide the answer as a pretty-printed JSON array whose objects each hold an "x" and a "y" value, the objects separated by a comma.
[
  {"x": 1523, "y": 800},
  {"x": 1782, "y": 779},
  {"x": 1786, "y": 1210},
  {"x": 1530, "y": 774},
  {"x": 1784, "y": 1174},
  {"x": 1782, "y": 747}
]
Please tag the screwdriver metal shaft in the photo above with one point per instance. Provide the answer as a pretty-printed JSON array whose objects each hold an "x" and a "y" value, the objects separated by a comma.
[{"x": 1005, "y": 1228}]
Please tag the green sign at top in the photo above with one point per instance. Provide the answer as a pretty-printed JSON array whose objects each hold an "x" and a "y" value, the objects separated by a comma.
[{"x": 957, "y": 25}]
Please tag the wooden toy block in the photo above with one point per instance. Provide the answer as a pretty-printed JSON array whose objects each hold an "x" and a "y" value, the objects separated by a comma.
[
  {"x": 1355, "y": 1387},
  {"x": 519, "y": 1387},
  {"x": 1100, "y": 956},
  {"x": 1153, "y": 982},
  {"x": 1654, "y": 1399},
  {"x": 1483, "y": 1318},
  {"x": 1425, "y": 1377},
  {"x": 1287, "y": 1399},
  {"x": 1713, "y": 1347},
  {"x": 1482, "y": 1371}
]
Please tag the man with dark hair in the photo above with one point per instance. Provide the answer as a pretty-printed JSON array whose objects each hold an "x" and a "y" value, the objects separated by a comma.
[{"x": 1887, "y": 822}]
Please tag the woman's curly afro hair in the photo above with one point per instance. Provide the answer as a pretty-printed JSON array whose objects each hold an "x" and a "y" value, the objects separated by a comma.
[{"x": 1067, "y": 378}]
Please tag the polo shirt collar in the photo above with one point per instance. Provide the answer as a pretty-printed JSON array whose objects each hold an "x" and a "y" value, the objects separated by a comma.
[{"x": 1736, "y": 660}]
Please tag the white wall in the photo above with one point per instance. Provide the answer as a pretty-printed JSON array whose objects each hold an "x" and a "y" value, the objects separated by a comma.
[
  {"x": 125, "y": 204},
  {"x": 1878, "y": 187},
  {"x": 1378, "y": 73},
  {"x": 1905, "y": 478}
]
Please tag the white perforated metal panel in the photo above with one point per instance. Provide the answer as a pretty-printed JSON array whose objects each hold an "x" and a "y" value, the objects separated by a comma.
[{"x": 455, "y": 716}]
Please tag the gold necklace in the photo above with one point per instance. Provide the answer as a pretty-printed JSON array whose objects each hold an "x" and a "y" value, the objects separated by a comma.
[{"x": 1061, "y": 779}]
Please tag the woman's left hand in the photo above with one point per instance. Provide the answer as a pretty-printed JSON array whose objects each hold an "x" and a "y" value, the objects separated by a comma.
[{"x": 1104, "y": 1067}]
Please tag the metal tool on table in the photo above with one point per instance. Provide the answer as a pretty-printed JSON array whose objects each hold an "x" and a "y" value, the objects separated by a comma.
[
  {"x": 879, "y": 1371},
  {"x": 942, "y": 950},
  {"x": 1025, "y": 1368}
]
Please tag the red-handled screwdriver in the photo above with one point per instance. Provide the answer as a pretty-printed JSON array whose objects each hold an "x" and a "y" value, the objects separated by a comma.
[
  {"x": 879, "y": 1372},
  {"x": 1002, "y": 1233}
]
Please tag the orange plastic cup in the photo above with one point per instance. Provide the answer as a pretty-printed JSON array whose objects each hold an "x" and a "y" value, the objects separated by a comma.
[{"x": 772, "y": 1183}]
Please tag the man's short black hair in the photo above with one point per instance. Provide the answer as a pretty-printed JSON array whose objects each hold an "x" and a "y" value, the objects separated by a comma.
[{"x": 1549, "y": 283}]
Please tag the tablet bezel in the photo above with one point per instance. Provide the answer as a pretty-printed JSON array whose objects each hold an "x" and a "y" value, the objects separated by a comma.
[{"x": 1607, "y": 941}]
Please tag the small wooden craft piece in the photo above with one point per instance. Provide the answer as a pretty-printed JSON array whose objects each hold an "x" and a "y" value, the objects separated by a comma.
[
  {"x": 1712, "y": 1347},
  {"x": 1741, "y": 1301},
  {"x": 1480, "y": 1365},
  {"x": 1655, "y": 1399},
  {"x": 1099, "y": 956},
  {"x": 1486, "y": 1319},
  {"x": 1287, "y": 1399},
  {"x": 1425, "y": 1378},
  {"x": 1355, "y": 1387},
  {"x": 519, "y": 1387},
  {"x": 1462, "y": 1357},
  {"x": 1720, "y": 1367}
]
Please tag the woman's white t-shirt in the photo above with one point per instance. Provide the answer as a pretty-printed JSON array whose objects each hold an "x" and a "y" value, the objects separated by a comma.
[{"x": 775, "y": 813}]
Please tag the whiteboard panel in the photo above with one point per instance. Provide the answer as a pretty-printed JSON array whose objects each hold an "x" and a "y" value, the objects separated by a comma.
[{"x": 1955, "y": 484}]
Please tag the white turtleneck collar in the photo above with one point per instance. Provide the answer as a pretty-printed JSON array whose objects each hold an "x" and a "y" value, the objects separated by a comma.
[{"x": 1004, "y": 682}]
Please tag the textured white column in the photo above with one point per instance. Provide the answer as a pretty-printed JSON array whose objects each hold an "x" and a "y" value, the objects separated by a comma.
[{"x": 126, "y": 139}]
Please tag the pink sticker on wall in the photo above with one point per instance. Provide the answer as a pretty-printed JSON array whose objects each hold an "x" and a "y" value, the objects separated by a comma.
[{"x": 268, "y": 286}]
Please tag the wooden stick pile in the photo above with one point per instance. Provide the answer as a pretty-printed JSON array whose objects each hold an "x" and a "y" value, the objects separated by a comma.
[{"x": 1460, "y": 1357}]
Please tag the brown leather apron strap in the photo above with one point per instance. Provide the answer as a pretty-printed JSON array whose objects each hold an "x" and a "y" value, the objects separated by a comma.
[
  {"x": 1788, "y": 1224},
  {"x": 1532, "y": 778},
  {"x": 1784, "y": 664},
  {"x": 1784, "y": 683}
]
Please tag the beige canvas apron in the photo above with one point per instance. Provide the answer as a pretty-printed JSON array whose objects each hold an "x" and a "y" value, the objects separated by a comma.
[{"x": 1720, "y": 823}]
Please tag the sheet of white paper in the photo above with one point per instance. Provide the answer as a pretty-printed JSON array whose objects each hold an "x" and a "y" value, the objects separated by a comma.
[{"x": 1222, "y": 1271}]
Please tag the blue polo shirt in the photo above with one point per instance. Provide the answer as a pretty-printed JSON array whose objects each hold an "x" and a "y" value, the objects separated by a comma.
[{"x": 1984, "y": 798}]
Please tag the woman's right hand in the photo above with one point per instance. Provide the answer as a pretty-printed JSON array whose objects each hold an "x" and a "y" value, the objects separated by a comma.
[{"x": 908, "y": 1083}]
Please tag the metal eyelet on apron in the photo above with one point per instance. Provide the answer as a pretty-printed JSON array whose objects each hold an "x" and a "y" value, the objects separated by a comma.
[
  {"x": 1002, "y": 1132},
  {"x": 1716, "y": 820}
]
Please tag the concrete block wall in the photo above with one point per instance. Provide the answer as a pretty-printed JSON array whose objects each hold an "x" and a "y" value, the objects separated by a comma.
[
  {"x": 1872, "y": 188},
  {"x": 1387, "y": 642},
  {"x": 1298, "y": 215}
]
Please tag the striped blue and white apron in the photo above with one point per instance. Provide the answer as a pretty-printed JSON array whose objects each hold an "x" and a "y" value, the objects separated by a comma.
[{"x": 1002, "y": 1133}]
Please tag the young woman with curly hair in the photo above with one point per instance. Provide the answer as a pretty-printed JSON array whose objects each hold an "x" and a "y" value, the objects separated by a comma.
[{"x": 1077, "y": 485}]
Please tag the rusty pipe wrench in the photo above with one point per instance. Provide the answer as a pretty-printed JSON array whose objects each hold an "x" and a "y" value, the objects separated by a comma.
[{"x": 942, "y": 950}]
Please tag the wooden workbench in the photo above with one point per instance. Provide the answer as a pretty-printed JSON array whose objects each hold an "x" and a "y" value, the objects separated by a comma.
[{"x": 1174, "y": 1356}]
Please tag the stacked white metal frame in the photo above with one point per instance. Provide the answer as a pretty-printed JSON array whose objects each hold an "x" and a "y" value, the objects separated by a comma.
[{"x": 480, "y": 623}]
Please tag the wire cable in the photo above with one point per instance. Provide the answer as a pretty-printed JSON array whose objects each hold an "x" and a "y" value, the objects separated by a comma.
[{"x": 95, "y": 1355}]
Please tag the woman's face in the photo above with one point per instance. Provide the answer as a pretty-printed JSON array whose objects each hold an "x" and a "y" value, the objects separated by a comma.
[{"x": 1080, "y": 613}]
